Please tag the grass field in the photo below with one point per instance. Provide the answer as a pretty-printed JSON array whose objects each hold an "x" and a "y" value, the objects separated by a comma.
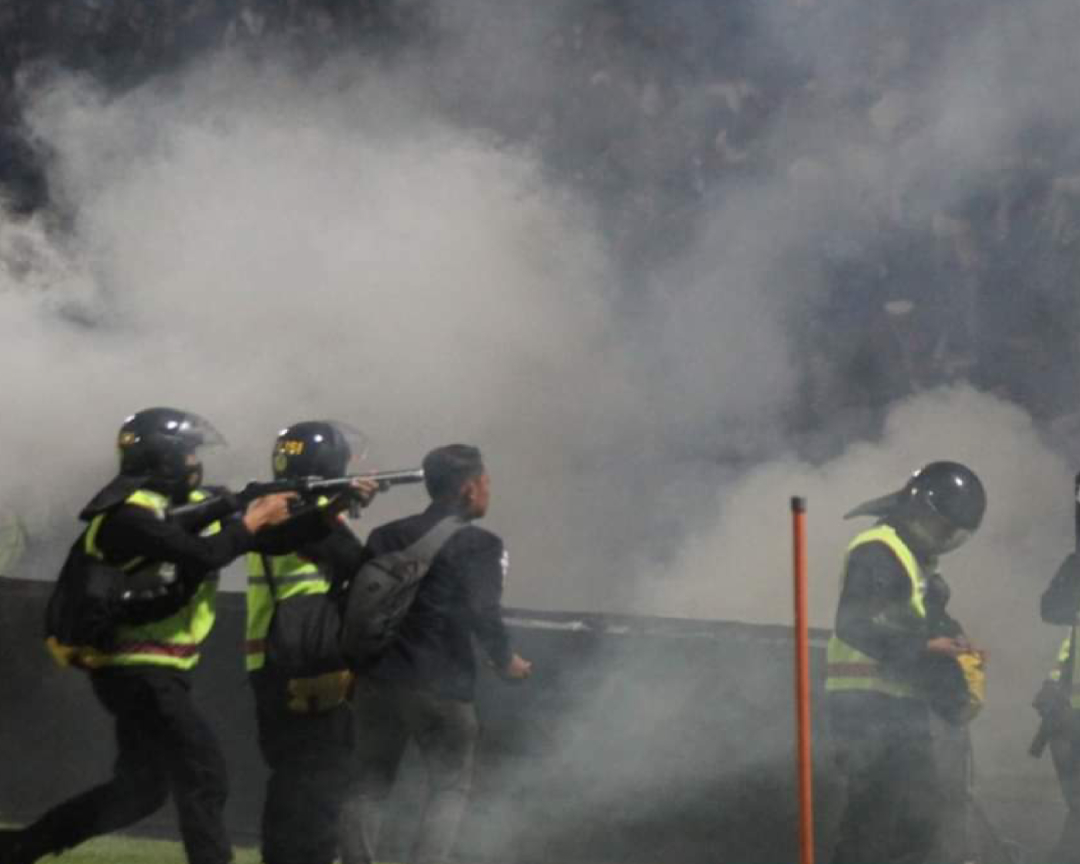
[{"x": 128, "y": 850}]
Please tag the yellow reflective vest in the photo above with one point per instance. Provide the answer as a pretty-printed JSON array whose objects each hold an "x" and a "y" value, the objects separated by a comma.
[
  {"x": 174, "y": 641},
  {"x": 1059, "y": 669},
  {"x": 290, "y": 576},
  {"x": 851, "y": 670}
]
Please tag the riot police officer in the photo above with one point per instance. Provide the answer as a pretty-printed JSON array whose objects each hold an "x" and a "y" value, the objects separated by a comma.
[
  {"x": 300, "y": 681},
  {"x": 143, "y": 676},
  {"x": 1060, "y": 605},
  {"x": 891, "y": 625}
]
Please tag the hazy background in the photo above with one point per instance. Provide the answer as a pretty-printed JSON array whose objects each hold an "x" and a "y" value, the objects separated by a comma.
[{"x": 420, "y": 244}]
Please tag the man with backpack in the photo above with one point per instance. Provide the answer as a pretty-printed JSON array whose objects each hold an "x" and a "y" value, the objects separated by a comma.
[
  {"x": 147, "y": 641},
  {"x": 292, "y": 648},
  {"x": 422, "y": 686}
]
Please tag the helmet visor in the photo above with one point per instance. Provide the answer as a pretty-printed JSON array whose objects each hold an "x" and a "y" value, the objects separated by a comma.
[
  {"x": 357, "y": 441},
  {"x": 197, "y": 431},
  {"x": 935, "y": 532},
  {"x": 953, "y": 539}
]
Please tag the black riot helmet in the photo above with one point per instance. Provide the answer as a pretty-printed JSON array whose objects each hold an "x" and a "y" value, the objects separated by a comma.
[
  {"x": 317, "y": 448},
  {"x": 940, "y": 506},
  {"x": 161, "y": 445}
]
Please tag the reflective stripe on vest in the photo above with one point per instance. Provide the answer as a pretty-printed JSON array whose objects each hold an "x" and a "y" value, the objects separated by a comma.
[
  {"x": 848, "y": 668},
  {"x": 172, "y": 641},
  {"x": 293, "y": 576},
  {"x": 1062, "y": 660}
]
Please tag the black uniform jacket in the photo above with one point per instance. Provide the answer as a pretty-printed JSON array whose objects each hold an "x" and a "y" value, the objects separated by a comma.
[
  {"x": 459, "y": 598},
  {"x": 317, "y": 537},
  {"x": 874, "y": 580},
  {"x": 1060, "y": 601},
  {"x": 131, "y": 531}
]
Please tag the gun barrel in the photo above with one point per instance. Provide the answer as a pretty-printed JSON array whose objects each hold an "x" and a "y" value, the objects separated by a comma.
[
  {"x": 396, "y": 478},
  {"x": 385, "y": 479},
  {"x": 221, "y": 505}
]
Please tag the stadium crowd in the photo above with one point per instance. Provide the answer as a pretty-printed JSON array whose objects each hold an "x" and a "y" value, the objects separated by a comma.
[{"x": 662, "y": 112}]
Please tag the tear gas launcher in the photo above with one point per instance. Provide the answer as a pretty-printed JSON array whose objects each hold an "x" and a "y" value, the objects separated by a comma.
[{"x": 199, "y": 514}]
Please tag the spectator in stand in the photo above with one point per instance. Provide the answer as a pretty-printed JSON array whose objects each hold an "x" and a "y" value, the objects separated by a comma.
[
  {"x": 50, "y": 33},
  {"x": 124, "y": 44},
  {"x": 359, "y": 17},
  {"x": 11, "y": 38},
  {"x": 198, "y": 26},
  {"x": 247, "y": 27}
]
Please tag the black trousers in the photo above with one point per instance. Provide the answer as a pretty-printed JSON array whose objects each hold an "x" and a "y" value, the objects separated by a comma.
[
  {"x": 309, "y": 756},
  {"x": 446, "y": 731},
  {"x": 165, "y": 746},
  {"x": 1065, "y": 750},
  {"x": 885, "y": 752}
]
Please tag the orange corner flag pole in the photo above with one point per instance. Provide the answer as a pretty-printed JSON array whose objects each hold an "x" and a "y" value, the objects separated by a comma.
[{"x": 802, "y": 684}]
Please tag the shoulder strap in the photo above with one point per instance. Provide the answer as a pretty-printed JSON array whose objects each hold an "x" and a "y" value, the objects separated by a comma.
[
  {"x": 268, "y": 572},
  {"x": 428, "y": 546}
]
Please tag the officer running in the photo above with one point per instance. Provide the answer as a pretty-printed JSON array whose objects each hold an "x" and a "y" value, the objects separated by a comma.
[{"x": 144, "y": 679}]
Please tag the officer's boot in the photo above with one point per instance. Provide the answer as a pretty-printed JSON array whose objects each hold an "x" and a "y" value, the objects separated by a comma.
[
  {"x": 14, "y": 847},
  {"x": 358, "y": 829}
]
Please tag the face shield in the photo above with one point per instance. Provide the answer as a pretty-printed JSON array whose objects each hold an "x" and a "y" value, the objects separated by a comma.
[
  {"x": 198, "y": 432},
  {"x": 935, "y": 532},
  {"x": 357, "y": 443},
  {"x": 198, "y": 435}
]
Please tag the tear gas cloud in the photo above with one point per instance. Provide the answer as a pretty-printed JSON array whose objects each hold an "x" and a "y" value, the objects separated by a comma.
[
  {"x": 262, "y": 260},
  {"x": 262, "y": 247}
]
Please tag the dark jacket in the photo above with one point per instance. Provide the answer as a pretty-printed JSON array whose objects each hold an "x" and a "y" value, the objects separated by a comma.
[
  {"x": 459, "y": 599},
  {"x": 316, "y": 537},
  {"x": 131, "y": 531},
  {"x": 875, "y": 579},
  {"x": 1060, "y": 602}
]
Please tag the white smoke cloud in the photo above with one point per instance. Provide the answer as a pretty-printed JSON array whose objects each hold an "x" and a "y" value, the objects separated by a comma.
[
  {"x": 261, "y": 247},
  {"x": 738, "y": 566},
  {"x": 260, "y": 251}
]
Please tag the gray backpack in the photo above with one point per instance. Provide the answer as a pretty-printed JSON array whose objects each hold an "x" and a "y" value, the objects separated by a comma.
[{"x": 380, "y": 594}]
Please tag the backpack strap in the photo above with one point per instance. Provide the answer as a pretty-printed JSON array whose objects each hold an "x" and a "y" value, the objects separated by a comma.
[
  {"x": 429, "y": 546},
  {"x": 268, "y": 571}
]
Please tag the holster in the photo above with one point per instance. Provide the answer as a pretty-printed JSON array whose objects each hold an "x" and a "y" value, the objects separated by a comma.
[
  {"x": 1053, "y": 707},
  {"x": 1055, "y": 712},
  {"x": 320, "y": 692}
]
